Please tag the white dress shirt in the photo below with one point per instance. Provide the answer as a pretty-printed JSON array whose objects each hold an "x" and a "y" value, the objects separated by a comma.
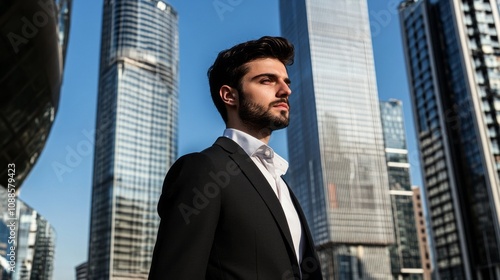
[{"x": 252, "y": 146}]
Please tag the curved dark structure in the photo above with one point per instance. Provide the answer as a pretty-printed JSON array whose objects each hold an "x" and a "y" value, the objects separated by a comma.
[{"x": 33, "y": 40}]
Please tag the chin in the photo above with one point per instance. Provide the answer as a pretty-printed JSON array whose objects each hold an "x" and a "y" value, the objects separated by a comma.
[{"x": 279, "y": 124}]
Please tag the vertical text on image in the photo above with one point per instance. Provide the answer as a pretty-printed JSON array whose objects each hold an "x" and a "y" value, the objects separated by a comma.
[{"x": 12, "y": 216}]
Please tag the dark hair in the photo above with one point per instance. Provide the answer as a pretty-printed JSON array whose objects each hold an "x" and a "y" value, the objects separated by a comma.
[{"x": 229, "y": 66}]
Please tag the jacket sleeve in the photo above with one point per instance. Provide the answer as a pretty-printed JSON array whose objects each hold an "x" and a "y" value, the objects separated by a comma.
[{"x": 189, "y": 212}]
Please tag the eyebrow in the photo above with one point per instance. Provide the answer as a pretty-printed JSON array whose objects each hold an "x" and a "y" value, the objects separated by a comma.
[{"x": 274, "y": 76}]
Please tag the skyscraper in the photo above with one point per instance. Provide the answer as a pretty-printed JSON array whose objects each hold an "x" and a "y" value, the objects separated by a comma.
[
  {"x": 136, "y": 134},
  {"x": 336, "y": 148},
  {"x": 405, "y": 253},
  {"x": 453, "y": 62},
  {"x": 423, "y": 237},
  {"x": 81, "y": 271},
  {"x": 27, "y": 242}
]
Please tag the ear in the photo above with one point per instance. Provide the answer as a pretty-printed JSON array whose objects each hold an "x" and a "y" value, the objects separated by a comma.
[{"x": 228, "y": 95}]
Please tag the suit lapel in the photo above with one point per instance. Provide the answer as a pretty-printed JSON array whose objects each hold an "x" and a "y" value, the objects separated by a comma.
[
  {"x": 302, "y": 217},
  {"x": 312, "y": 265},
  {"x": 260, "y": 183}
]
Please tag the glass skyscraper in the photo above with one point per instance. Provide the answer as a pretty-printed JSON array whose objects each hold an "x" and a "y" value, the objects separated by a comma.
[
  {"x": 136, "y": 134},
  {"x": 453, "y": 63},
  {"x": 336, "y": 146},
  {"x": 405, "y": 253},
  {"x": 34, "y": 242}
]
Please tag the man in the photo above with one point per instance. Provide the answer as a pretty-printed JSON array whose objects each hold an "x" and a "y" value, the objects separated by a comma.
[{"x": 226, "y": 213}]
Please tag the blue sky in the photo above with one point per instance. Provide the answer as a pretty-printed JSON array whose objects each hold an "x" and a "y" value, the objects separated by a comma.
[{"x": 63, "y": 195}]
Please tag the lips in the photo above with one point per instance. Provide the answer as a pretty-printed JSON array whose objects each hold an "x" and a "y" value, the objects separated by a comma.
[{"x": 281, "y": 104}]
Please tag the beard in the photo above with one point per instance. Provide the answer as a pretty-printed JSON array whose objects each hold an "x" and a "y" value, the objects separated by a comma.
[{"x": 259, "y": 117}]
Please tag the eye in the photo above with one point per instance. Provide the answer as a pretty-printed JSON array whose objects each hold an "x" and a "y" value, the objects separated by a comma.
[{"x": 266, "y": 81}]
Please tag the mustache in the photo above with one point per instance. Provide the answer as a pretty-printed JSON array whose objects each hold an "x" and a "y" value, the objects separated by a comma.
[{"x": 281, "y": 100}]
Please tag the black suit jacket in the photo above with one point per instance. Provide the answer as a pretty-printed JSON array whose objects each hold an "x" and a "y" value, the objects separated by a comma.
[{"x": 220, "y": 219}]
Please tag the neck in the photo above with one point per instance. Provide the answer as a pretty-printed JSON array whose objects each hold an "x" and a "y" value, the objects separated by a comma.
[{"x": 263, "y": 134}]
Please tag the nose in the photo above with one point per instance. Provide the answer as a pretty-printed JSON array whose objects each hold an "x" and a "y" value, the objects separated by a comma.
[{"x": 284, "y": 89}]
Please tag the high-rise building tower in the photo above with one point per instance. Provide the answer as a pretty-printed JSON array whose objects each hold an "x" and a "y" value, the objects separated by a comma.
[
  {"x": 453, "y": 63},
  {"x": 423, "y": 237},
  {"x": 336, "y": 148},
  {"x": 81, "y": 271},
  {"x": 27, "y": 242},
  {"x": 405, "y": 253},
  {"x": 136, "y": 134}
]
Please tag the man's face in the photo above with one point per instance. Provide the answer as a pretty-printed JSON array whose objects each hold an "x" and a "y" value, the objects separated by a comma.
[{"x": 263, "y": 96}]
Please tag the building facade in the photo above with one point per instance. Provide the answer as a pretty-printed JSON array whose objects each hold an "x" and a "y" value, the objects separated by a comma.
[
  {"x": 32, "y": 54},
  {"x": 336, "y": 146},
  {"x": 81, "y": 272},
  {"x": 453, "y": 62},
  {"x": 423, "y": 236},
  {"x": 405, "y": 253},
  {"x": 33, "y": 239},
  {"x": 136, "y": 134}
]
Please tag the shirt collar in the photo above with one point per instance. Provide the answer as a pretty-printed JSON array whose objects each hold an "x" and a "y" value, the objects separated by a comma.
[{"x": 250, "y": 145}]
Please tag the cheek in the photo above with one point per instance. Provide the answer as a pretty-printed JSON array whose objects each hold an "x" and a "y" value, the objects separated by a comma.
[
  {"x": 261, "y": 94},
  {"x": 257, "y": 96}
]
